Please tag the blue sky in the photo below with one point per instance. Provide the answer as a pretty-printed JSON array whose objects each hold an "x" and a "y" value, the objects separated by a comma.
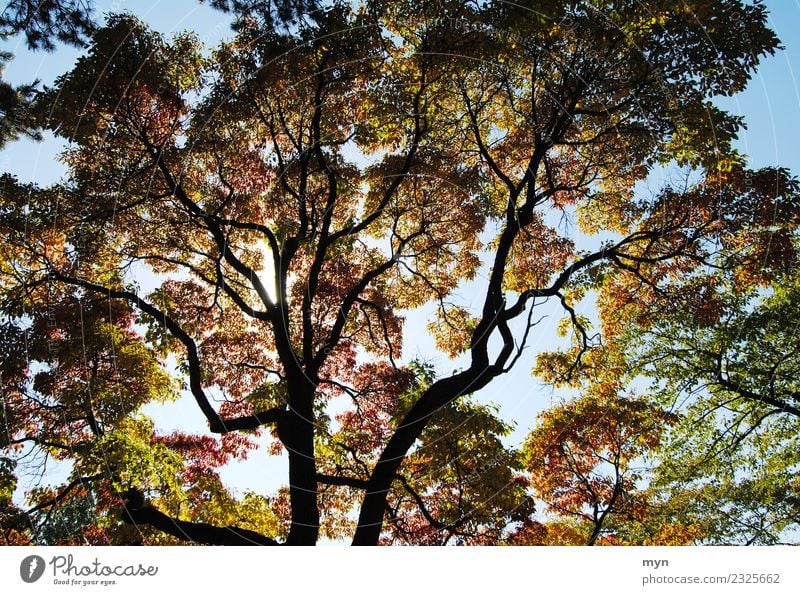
[{"x": 770, "y": 107}]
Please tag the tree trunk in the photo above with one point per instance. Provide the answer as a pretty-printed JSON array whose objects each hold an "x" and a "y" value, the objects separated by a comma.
[
  {"x": 297, "y": 435},
  {"x": 370, "y": 520}
]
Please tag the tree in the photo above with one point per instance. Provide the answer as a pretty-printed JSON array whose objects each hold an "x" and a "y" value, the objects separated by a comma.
[
  {"x": 295, "y": 191},
  {"x": 15, "y": 119},
  {"x": 731, "y": 464},
  {"x": 723, "y": 357},
  {"x": 43, "y": 23},
  {"x": 583, "y": 459},
  {"x": 68, "y": 21}
]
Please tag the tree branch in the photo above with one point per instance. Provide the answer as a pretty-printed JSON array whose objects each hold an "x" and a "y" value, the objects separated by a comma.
[
  {"x": 65, "y": 492},
  {"x": 138, "y": 512},
  {"x": 216, "y": 423}
]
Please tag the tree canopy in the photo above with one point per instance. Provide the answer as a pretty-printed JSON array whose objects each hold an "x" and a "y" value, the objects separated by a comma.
[{"x": 248, "y": 226}]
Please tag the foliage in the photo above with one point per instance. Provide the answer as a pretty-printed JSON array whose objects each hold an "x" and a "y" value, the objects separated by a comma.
[
  {"x": 44, "y": 22},
  {"x": 264, "y": 215},
  {"x": 15, "y": 117},
  {"x": 735, "y": 453},
  {"x": 585, "y": 458}
]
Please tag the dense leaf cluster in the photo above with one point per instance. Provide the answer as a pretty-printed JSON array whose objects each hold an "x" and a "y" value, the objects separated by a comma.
[{"x": 248, "y": 227}]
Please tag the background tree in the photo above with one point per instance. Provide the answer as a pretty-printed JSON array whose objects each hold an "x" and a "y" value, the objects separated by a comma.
[
  {"x": 585, "y": 461},
  {"x": 731, "y": 464},
  {"x": 43, "y": 22},
  {"x": 296, "y": 190},
  {"x": 722, "y": 356}
]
